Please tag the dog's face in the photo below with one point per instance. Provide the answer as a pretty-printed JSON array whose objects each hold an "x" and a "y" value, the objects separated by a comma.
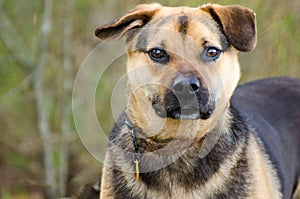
[{"x": 182, "y": 62}]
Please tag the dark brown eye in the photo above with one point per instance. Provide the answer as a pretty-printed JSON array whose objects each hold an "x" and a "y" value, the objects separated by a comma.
[
  {"x": 158, "y": 55},
  {"x": 213, "y": 53}
]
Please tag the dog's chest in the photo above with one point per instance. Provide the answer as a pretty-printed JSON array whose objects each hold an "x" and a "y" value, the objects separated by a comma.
[
  {"x": 198, "y": 178},
  {"x": 167, "y": 189}
]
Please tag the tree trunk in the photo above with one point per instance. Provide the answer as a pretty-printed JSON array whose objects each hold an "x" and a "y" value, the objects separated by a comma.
[
  {"x": 42, "y": 109},
  {"x": 66, "y": 100}
]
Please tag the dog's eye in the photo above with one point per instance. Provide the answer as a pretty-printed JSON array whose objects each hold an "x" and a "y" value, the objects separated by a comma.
[
  {"x": 158, "y": 55},
  {"x": 213, "y": 53}
]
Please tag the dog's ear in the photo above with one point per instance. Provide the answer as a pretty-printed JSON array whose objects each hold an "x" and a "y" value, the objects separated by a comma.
[
  {"x": 135, "y": 18},
  {"x": 238, "y": 23}
]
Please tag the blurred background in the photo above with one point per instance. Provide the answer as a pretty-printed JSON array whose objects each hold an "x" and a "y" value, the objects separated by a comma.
[{"x": 42, "y": 45}]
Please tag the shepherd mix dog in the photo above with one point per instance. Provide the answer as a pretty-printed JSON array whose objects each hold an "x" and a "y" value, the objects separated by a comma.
[{"x": 188, "y": 130}]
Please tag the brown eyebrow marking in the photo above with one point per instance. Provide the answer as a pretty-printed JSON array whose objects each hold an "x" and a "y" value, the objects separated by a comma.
[{"x": 183, "y": 24}]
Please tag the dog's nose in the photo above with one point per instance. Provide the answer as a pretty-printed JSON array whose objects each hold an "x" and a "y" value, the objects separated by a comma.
[{"x": 186, "y": 85}]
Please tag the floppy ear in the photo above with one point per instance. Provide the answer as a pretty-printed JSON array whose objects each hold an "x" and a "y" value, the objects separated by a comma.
[
  {"x": 238, "y": 23},
  {"x": 135, "y": 18}
]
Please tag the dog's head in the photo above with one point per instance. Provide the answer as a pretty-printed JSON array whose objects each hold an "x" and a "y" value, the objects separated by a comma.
[{"x": 182, "y": 62}]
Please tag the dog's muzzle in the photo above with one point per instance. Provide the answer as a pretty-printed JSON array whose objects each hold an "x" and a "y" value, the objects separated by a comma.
[{"x": 187, "y": 99}]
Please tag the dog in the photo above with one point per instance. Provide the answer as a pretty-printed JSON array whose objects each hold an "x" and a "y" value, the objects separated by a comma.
[{"x": 189, "y": 131}]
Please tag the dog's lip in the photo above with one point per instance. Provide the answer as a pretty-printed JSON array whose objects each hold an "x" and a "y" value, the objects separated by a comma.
[
  {"x": 188, "y": 107},
  {"x": 186, "y": 112},
  {"x": 193, "y": 116},
  {"x": 191, "y": 113}
]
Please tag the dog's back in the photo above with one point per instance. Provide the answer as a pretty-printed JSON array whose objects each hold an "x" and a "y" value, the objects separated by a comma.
[{"x": 272, "y": 107}]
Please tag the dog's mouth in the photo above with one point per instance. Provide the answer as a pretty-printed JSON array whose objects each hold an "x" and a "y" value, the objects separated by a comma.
[{"x": 184, "y": 112}]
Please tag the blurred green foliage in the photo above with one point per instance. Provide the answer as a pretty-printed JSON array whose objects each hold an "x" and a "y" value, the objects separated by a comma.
[{"x": 277, "y": 53}]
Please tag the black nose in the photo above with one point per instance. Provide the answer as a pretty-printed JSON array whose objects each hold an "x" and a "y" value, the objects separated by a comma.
[{"x": 186, "y": 85}]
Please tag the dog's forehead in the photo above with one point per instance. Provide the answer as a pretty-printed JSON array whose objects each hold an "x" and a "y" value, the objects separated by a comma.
[
  {"x": 179, "y": 18},
  {"x": 167, "y": 11},
  {"x": 171, "y": 23}
]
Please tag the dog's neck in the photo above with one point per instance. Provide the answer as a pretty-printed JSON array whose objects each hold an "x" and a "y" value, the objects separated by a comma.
[{"x": 163, "y": 147}]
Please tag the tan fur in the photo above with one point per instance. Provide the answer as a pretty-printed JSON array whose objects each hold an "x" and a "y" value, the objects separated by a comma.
[
  {"x": 106, "y": 191},
  {"x": 266, "y": 183}
]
